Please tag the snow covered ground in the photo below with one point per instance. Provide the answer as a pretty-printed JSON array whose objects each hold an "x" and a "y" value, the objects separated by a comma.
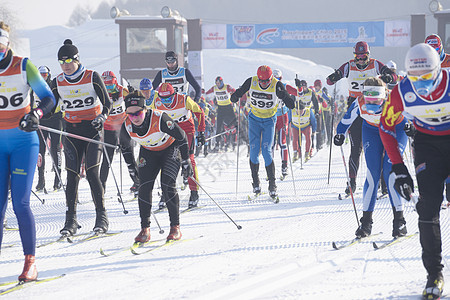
[{"x": 284, "y": 251}]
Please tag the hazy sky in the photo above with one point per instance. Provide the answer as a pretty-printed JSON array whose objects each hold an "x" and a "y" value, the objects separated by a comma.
[{"x": 34, "y": 14}]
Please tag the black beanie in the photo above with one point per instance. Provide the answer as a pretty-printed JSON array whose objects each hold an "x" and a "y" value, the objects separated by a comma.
[
  {"x": 68, "y": 51},
  {"x": 134, "y": 99},
  {"x": 171, "y": 54}
]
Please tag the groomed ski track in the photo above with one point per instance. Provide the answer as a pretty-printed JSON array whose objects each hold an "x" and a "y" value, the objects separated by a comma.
[{"x": 283, "y": 251}]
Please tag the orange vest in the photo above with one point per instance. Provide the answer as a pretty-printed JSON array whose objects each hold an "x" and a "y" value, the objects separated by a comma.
[
  {"x": 117, "y": 114},
  {"x": 14, "y": 95},
  {"x": 80, "y": 99},
  {"x": 154, "y": 139}
]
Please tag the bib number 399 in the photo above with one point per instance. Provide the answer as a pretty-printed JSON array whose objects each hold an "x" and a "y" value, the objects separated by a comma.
[{"x": 262, "y": 104}]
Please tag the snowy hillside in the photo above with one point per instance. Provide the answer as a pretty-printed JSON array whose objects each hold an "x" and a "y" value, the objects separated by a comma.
[{"x": 98, "y": 45}]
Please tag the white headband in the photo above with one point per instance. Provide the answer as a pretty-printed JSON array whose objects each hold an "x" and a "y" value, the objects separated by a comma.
[
  {"x": 4, "y": 37},
  {"x": 380, "y": 91}
]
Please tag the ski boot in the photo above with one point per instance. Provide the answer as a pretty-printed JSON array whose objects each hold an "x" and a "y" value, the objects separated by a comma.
[
  {"x": 365, "y": 228},
  {"x": 40, "y": 187},
  {"x": 57, "y": 185},
  {"x": 434, "y": 287},
  {"x": 295, "y": 156},
  {"x": 101, "y": 222},
  {"x": 174, "y": 234},
  {"x": 193, "y": 200},
  {"x": 352, "y": 185},
  {"x": 185, "y": 183},
  {"x": 284, "y": 169},
  {"x": 143, "y": 236},
  {"x": 71, "y": 225},
  {"x": 135, "y": 189},
  {"x": 399, "y": 225},
  {"x": 270, "y": 169},
  {"x": 29, "y": 272},
  {"x": 254, "y": 168},
  {"x": 307, "y": 156}
]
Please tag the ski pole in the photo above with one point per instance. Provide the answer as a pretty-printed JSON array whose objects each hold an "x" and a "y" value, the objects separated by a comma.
[
  {"x": 349, "y": 185},
  {"x": 53, "y": 161},
  {"x": 290, "y": 164},
  {"x": 76, "y": 136},
  {"x": 196, "y": 182},
  {"x": 43, "y": 201},
  {"x": 105, "y": 153},
  {"x": 331, "y": 133},
  {"x": 237, "y": 152},
  {"x": 161, "y": 231},
  {"x": 222, "y": 133}
]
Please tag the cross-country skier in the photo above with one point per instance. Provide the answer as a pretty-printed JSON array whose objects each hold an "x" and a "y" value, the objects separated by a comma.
[
  {"x": 225, "y": 111},
  {"x": 369, "y": 107},
  {"x": 281, "y": 129},
  {"x": 179, "y": 77},
  {"x": 423, "y": 96},
  {"x": 181, "y": 109},
  {"x": 264, "y": 94},
  {"x": 162, "y": 141},
  {"x": 52, "y": 121},
  {"x": 19, "y": 148},
  {"x": 303, "y": 118},
  {"x": 146, "y": 88},
  {"x": 115, "y": 132},
  {"x": 357, "y": 70},
  {"x": 84, "y": 116}
]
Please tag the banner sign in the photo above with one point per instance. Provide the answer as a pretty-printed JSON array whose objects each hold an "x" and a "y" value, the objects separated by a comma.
[{"x": 306, "y": 35}]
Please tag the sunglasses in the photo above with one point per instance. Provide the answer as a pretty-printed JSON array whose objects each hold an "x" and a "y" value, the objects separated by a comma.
[
  {"x": 136, "y": 114},
  {"x": 67, "y": 61},
  {"x": 264, "y": 80},
  {"x": 110, "y": 87},
  {"x": 426, "y": 76},
  {"x": 361, "y": 56}
]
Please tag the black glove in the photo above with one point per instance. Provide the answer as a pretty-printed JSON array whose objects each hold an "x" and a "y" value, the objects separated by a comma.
[
  {"x": 409, "y": 129},
  {"x": 30, "y": 121},
  {"x": 97, "y": 123},
  {"x": 336, "y": 76},
  {"x": 186, "y": 169},
  {"x": 130, "y": 88},
  {"x": 201, "y": 139},
  {"x": 297, "y": 82},
  {"x": 339, "y": 139},
  {"x": 403, "y": 184},
  {"x": 387, "y": 78},
  {"x": 234, "y": 98}
]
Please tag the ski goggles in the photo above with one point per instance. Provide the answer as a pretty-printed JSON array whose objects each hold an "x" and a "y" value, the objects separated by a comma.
[
  {"x": 363, "y": 56},
  {"x": 426, "y": 76},
  {"x": 65, "y": 61},
  {"x": 171, "y": 60},
  {"x": 136, "y": 114},
  {"x": 110, "y": 87}
]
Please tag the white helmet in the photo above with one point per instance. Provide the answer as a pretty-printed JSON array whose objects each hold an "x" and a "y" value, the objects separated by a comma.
[
  {"x": 422, "y": 57},
  {"x": 277, "y": 73},
  {"x": 391, "y": 65}
]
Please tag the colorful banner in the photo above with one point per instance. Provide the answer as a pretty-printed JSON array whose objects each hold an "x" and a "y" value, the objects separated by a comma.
[{"x": 306, "y": 35}]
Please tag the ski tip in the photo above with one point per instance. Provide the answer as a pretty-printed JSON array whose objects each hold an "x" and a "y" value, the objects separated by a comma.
[
  {"x": 339, "y": 197},
  {"x": 375, "y": 246},
  {"x": 334, "y": 245}
]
